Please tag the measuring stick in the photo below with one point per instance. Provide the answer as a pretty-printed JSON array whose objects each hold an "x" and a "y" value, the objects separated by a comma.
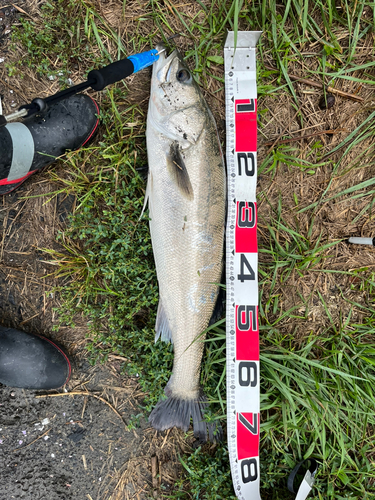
[
  {"x": 243, "y": 395},
  {"x": 242, "y": 264}
]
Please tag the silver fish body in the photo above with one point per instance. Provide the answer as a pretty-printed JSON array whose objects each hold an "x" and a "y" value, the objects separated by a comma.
[{"x": 186, "y": 192}]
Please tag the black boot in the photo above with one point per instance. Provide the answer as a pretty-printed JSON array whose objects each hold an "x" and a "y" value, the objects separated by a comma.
[
  {"x": 31, "y": 362},
  {"x": 36, "y": 142}
]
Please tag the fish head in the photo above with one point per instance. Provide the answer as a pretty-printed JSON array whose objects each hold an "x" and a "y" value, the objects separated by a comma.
[{"x": 177, "y": 107}]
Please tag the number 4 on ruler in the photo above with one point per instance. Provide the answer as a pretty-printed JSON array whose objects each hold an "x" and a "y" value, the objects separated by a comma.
[{"x": 244, "y": 263}]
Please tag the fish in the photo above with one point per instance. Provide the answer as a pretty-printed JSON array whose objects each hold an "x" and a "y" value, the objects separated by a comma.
[{"x": 186, "y": 196}]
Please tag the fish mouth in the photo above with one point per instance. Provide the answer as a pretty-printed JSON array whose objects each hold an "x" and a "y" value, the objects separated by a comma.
[{"x": 163, "y": 66}]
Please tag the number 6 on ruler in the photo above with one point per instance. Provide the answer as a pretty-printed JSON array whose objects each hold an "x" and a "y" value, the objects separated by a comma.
[{"x": 247, "y": 374}]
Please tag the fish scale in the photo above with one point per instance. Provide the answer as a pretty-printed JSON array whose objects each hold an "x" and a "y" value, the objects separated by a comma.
[{"x": 186, "y": 196}]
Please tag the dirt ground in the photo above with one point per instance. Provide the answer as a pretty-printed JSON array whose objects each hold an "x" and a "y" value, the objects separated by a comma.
[
  {"x": 85, "y": 450},
  {"x": 59, "y": 446},
  {"x": 76, "y": 445}
]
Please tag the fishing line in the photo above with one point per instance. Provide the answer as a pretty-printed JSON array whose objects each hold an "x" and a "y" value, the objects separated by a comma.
[{"x": 242, "y": 328}]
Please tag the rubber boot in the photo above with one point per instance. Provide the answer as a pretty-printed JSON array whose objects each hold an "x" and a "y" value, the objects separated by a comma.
[
  {"x": 36, "y": 142},
  {"x": 31, "y": 361}
]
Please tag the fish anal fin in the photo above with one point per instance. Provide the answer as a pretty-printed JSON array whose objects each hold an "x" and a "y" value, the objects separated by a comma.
[
  {"x": 143, "y": 171},
  {"x": 162, "y": 328},
  {"x": 177, "y": 169}
]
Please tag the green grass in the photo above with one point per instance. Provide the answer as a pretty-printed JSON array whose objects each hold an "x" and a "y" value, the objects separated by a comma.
[{"x": 317, "y": 389}]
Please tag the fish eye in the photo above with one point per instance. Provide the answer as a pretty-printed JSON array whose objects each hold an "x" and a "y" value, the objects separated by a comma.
[{"x": 183, "y": 75}]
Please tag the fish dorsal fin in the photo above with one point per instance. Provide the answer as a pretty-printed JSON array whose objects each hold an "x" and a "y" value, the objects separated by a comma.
[
  {"x": 177, "y": 168},
  {"x": 162, "y": 325}
]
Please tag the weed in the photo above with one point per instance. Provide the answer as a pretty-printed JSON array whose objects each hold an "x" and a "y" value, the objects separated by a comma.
[{"x": 208, "y": 474}]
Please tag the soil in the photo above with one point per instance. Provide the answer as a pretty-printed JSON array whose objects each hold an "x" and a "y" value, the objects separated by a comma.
[
  {"x": 73, "y": 444},
  {"x": 86, "y": 449},
  {"x": 76, "y": 444}
]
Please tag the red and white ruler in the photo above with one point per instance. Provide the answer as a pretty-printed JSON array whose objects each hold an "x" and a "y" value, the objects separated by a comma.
[
  {"x": 242, "y": 264},
  {"x": 243, "y": 395}
]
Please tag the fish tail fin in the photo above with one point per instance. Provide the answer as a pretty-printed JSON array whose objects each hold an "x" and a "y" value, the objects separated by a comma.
[{"x": 176, "y": 412}]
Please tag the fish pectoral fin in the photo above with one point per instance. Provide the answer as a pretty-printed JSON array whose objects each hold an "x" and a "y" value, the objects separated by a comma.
[
  {"x": 147, "y": 194},
  {"x": 162, "y": 328},
  {"x": 177, "y": 168}
]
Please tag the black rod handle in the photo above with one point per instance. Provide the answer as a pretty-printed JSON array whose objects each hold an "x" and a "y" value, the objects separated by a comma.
[{"x": 110, "y": 74}]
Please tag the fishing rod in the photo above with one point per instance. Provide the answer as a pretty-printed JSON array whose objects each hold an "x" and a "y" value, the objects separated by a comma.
[{"x": 97, "y": 79}]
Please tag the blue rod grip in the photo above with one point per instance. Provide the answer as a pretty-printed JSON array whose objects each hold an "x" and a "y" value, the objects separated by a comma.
[{"x": 144, "y": 59}]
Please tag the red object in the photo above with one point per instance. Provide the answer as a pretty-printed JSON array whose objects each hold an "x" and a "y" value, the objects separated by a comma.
[
  {"x": 247, "y": 333},
  {"x": 5, "y": 182},
  {"x": 247, "y": 435},
  {"x": 246, "y": 227},
  {"x": 246, "y": 125}
]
